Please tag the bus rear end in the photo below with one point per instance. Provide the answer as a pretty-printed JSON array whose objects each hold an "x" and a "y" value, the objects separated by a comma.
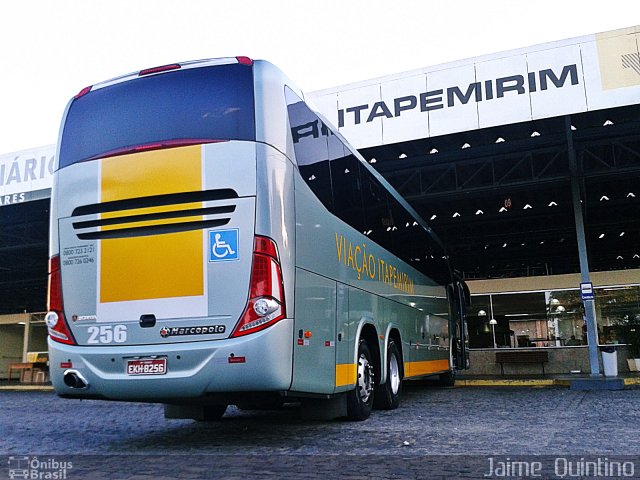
[{"x": 160, "y": 287}]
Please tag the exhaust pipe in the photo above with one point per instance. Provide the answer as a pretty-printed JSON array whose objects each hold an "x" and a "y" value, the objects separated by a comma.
[{"x": 74, "y": 379}]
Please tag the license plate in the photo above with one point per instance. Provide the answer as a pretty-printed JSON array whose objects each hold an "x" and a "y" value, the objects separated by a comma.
[{"x": 147, "y": 366}]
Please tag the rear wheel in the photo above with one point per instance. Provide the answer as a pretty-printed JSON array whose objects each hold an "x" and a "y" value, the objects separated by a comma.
[
  {"x": 360, "y": 399},
  {"x": 387, "y": 395}
]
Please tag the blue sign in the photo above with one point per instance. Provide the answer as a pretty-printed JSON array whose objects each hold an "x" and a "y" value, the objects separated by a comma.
[
  {"x": 223, "y": 245},
  {"x": 586, "y": 291}
]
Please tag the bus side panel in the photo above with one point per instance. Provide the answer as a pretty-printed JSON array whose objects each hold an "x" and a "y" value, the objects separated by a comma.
[
  {"x": 345, "y": 368},
  {"x": 429, "y": 344},
  {"x": 315, "y": 334},
  {"x": 364, "y": 308},
  {"x": 275, "y": 211}
]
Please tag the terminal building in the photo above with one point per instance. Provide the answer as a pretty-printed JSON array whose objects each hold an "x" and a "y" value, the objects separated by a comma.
[{"x": 516, "y": 159}]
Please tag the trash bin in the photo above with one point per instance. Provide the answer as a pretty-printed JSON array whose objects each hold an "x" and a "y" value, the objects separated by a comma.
[{"x": 609, "y": 361}]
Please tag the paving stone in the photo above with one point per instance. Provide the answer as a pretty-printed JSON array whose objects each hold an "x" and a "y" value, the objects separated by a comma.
[{"x": 451, "y": 433}]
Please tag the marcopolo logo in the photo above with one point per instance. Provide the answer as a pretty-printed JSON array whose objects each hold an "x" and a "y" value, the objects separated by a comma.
[
  {"x": 166, "y": 332},
  {"x": 38, "y": 468}
]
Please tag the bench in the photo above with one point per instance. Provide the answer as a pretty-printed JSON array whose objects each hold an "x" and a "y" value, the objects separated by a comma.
[
  {"x": 30, "y": 372},
  {"x": 528, "y": 356}
]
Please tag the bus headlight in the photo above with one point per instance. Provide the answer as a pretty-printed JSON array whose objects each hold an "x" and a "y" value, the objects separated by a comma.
[{"x": 265, "y": 306}]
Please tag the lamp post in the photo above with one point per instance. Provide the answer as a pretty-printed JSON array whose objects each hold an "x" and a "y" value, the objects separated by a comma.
[
  {"x": 559, "y": 310},
  {"x": 555, "y": 310},
  {"x": 493, "y": 322}
]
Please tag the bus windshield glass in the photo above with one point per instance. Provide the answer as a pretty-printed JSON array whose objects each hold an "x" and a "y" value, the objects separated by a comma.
[{"x": 193, "y": 105}]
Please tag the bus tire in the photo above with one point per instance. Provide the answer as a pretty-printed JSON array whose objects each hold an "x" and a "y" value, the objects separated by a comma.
[
  {"x": 360, "y": 399},
  {"x": 387, "y": 395}
]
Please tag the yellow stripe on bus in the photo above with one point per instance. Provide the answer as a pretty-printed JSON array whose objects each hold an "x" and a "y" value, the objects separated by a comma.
[
  {"x": 414, "y": 369},
  {"x": 161, "y": 266},
  {"x": 345, "y": 374}
]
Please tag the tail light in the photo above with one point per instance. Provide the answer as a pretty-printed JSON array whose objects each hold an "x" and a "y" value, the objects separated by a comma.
[
  {"x": 83, "y": 92},
  {"x": 161, "y": 69},
  {"x": 58, "y": 328},
  {"x": 244, "y": 61},
  {"x": 266, "y": 292}
]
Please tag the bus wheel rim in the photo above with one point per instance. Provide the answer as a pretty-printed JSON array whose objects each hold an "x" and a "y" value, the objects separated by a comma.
[
  {"x": 365, "y": 378},
  {"x": 394, "y": 374}
]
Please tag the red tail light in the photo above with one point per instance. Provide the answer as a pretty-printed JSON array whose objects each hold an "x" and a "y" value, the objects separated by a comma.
[
  {"x": 83, "y": 92},
  {"x": 266, "y": 293},
  {"x": 163, "y": 68},
  {"x": 244, "y": 61},
  {"x": 58, "y": 328}
]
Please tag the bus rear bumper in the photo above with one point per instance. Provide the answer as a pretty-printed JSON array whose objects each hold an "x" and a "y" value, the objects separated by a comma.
[{"x": 258, "y": 362}]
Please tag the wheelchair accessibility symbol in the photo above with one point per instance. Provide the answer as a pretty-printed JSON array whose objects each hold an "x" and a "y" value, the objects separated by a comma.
[{"x": 223, "y": 245}]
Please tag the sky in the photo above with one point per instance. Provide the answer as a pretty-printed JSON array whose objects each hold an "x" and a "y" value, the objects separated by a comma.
[{"x": 51, "y": 49}]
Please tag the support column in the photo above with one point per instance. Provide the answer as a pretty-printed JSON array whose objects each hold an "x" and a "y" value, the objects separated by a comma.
[
  {"x": 589, "y": 305},
  {"x": 25, "y": 338}
]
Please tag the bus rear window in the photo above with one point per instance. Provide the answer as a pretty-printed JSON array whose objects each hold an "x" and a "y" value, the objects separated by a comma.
[{"x": 205, "y": 104}]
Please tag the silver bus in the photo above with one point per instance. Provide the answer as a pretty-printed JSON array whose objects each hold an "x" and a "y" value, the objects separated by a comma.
[{"x": 215, "y": 241}]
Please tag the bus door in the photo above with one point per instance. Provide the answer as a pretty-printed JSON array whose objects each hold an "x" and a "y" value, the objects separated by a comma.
[{"x": 460, "y": 339}]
